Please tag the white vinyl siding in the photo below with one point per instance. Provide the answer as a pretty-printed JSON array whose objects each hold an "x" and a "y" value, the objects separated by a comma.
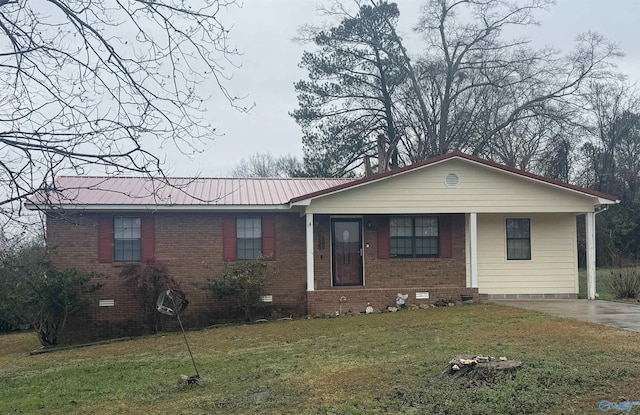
[
  {"x": 553, "y": 266},
  {"x": 480, "y": 189}
]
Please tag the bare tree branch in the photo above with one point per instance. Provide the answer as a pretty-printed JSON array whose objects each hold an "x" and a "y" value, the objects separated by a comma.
[{"x": 93, "y": 85}]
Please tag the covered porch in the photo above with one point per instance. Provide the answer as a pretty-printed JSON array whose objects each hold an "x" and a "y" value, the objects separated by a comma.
[
  {"x": 354, "y": 261},
  {"x": 492, "y": 230}
]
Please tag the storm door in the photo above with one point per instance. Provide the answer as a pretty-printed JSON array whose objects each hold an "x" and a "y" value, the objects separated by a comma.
[{"x": 346, "y": 251}]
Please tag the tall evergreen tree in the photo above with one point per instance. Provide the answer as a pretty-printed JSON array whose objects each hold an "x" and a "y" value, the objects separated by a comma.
[{"x": 347, "y": 107}]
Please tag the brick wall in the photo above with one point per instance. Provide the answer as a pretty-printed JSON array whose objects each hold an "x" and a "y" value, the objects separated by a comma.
[
  {"x": 190, "y": 245},
  {"x": 443, "y": 278}
]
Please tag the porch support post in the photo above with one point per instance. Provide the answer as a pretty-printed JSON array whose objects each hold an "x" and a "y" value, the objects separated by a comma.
[
  {"x": 591, "y": 254},
  {"x": 473, "y": 232},
  {"x": 309, "y": 227}
]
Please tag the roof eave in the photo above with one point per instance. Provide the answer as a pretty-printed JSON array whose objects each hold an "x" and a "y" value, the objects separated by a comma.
[
  {"x": 603, "y": 201},
  {"x": 152, "y": 207}
]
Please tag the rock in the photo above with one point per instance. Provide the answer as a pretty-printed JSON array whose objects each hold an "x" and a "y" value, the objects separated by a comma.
[
  {"x": 260, "y": 395},
  {"x": 188, "y": 380},
  {"x": 445, "y": 302},
  {"x": 392, "y": 309}
]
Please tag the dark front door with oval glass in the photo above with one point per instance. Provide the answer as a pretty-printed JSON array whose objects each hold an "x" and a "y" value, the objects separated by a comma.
[{"x": 346, "y": 252}]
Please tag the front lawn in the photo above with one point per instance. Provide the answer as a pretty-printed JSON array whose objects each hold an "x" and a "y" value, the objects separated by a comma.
[{"x": 368, "y": 364}]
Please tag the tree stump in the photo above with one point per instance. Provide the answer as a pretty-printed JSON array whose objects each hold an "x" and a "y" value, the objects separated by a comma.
[{"x": 483, "y": 369}]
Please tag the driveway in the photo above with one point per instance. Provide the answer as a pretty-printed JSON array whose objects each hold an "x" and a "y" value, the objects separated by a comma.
[{"x": 621, "y": 315}]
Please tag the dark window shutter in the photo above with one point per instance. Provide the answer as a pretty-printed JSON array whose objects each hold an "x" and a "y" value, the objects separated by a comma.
[
  {"x": 383, "y": 237},
  {"x": 269, "y": 237},
  {"x": 105, "y": 239},
  {"x": 148, "y": 236},
  {"x": 446, "y": 237},
  {"x": 229, "y": 239}
]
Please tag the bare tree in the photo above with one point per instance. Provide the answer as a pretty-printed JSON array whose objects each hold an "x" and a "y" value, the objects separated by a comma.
[
  {"x": 93, "y": 85},
  {"x": 266, "y": 165},
  {"x": 481, "y": 84},
  {"x": 473, "y": 88},
  {"x": 611, "y": 163},
  {"x": 612, "y": 148}
]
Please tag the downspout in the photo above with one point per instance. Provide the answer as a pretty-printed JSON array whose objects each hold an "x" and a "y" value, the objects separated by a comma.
[
  {"x": 602, "y": 209},
  {"x": 590, "y": 225}
]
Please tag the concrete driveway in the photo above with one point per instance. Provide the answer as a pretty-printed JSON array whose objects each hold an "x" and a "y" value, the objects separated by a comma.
[{"x": 621, "y": 315}]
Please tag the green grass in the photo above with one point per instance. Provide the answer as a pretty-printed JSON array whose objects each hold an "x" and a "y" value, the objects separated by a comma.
[
  {"x": 373, "y": 364},
  {"x": 603, "y": 290}
]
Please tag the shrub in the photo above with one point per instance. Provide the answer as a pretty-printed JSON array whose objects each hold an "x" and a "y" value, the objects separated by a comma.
[
  {"x": 147, "y": 280},
  {"x": 55, "y": 296},
  {"x": 243, "y": 283},
  {"x": 34, "y": 294},
  {"x": 625, "y": 282},
  {"x": 6, "y": 326}
]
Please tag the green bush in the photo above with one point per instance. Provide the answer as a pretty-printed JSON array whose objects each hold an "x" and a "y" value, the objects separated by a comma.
[
  {"x": 243, "y": 283},
  {"x": 146, "y": 281},
  {"x": 57, "y": 295},
  {"x": 35, "y": 294},
  {"x": 625, "y": 282}
]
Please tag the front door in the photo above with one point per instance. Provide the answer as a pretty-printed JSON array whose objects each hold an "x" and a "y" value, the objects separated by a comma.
[{"x": 346, "y": 251}]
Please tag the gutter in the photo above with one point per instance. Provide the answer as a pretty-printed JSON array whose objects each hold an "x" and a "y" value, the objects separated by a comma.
[{"x": 155, "y": 208}]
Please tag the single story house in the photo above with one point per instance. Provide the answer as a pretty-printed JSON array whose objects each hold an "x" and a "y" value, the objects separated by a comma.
[{"x": 448, "y": 226}]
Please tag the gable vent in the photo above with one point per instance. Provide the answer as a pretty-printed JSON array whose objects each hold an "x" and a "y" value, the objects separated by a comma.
[{"x": 451, "y": 180}]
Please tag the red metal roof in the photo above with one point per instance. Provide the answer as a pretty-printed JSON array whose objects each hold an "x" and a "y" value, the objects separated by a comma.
[
  {"x": 92, "y": 190},
  {"x": 127, "y": 191}
]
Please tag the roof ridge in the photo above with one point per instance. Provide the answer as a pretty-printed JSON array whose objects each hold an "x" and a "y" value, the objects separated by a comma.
[{"x": 207, "y": 178}]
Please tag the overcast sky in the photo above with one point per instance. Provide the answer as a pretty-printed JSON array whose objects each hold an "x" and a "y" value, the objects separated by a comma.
[{"x": 263, "y": 31}]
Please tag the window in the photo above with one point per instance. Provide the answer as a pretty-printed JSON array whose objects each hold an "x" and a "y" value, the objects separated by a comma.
[
  {"x": 248, "y": 238},
  {"x": 127, "y": 244},
  {"x": 414, "y": 236},
  {"x": 518, "y": 239}
]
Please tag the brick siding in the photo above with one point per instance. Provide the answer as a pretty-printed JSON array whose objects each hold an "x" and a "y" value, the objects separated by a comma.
[
  {"x": 190, "y": 245},
  {"x": 443, "y": 278}
]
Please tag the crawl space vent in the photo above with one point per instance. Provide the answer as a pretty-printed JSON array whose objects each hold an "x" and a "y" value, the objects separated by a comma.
[{"x": 451, "y": 180}]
